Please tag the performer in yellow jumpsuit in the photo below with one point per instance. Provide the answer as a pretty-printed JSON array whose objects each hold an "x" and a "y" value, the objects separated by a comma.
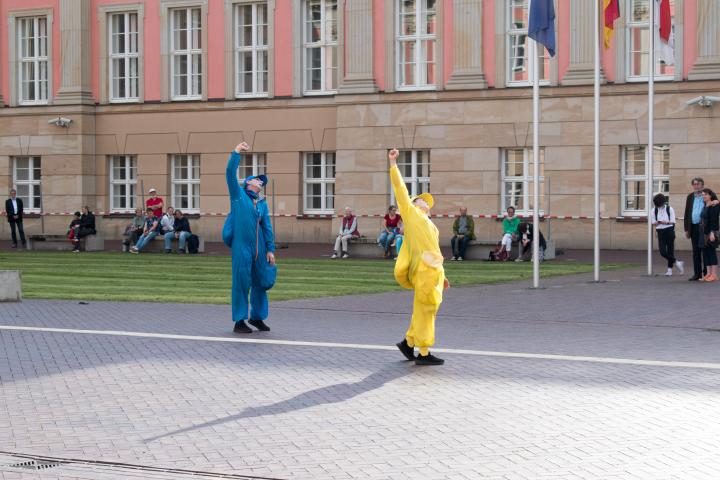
[{"x": 419, "y": 267}]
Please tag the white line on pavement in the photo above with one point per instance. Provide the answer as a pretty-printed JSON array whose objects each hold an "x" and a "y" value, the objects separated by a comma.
[{"x": 360, "y": 346}]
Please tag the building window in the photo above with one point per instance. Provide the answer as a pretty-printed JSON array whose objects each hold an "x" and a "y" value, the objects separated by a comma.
[
  {"x": 124, "y": 57},
  {"x": 26, "y": 178},
  {"x": 252, "y": 165},
  {"x": 186, "y": 53},
  {"x": 520, "y": 64},
  {"x": 517, "y": 179},
  {"x": 416, "y": 44},
  {"x": 634, "y": 176},
  {"x": 414, "y": 166},
  {"x": 638, "y": 44},
  {"x": 319, "y": 180},
  {"x": 320, "y": 46},
  {"x": 123, "y": 181},
  {"x": 186, "y": 182},
  {"x": 33, "y": 60},
  {"x": 251, "y": 49}
]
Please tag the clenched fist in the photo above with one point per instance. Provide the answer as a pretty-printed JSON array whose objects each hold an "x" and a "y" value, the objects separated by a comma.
[{"x": 242, "y": 147}]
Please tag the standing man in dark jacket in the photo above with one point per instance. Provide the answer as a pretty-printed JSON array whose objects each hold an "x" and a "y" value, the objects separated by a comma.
[
  {"x": 14, "y": 212},
  {"x": 85, "y": 227},
  {"x": 693, "y": 229}
]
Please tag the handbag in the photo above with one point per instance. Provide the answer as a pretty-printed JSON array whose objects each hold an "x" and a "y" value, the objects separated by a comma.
[{"x": 714, "y": 243}]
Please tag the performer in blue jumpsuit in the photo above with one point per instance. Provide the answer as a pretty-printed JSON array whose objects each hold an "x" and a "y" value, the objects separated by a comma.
[{"x": 248, "y": 231}]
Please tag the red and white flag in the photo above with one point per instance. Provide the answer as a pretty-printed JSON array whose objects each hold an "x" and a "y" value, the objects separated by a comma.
[{"x": 664, "y": 33}]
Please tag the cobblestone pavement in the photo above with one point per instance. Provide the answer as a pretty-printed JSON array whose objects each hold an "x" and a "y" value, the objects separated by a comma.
[{"x": 328, "y": 397}]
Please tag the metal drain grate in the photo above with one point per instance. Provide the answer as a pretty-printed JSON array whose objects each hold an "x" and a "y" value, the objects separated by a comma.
[{"x": 35, "y": 465}]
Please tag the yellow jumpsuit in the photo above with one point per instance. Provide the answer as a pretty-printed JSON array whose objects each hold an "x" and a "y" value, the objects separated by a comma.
[{"x": 419, "y": 266}]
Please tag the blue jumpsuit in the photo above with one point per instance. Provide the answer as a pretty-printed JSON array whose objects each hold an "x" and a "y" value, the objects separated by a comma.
[{"x": 248, "y": 231}]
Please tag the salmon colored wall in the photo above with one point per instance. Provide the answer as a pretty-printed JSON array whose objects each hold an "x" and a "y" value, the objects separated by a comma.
[
  {"x": 379, "y": 43},
  {"x": 488, "y": 41},
  {"x": 447, "y": 40},
  {"x": 690, "y": 36},
  {"x": 563, "y": 36},
  {"x": 216, "y": 50},
  {"x": 7, "y": 6},
  {"x": 283, "y": 48}
]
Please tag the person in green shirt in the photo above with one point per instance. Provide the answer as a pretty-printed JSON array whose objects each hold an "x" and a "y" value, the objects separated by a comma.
[
  {"x": 510, "y": 229},
  {"x": 463, "y": 233}
]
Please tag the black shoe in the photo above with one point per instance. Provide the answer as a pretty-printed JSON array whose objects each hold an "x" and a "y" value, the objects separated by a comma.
[
  {"x": 14, "y": 245},
  {"x": 406, "y": 350},
  {"x": 168, "y": 251},
  {"x": 240, "y": 327},
  {"x": 260, "y": 325},
  {"x": 428, "y": 359},
  {"x": 694, "y": 278}
]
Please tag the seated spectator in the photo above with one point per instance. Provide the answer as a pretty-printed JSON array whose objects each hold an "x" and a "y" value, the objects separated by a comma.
[
  {"x": 399, "y": 236},
  {"x": 525, "y": 231},
  {"x": 510, "y": 231},
  {"x": 134, "y": 228},
  {"x": 85, "y": 227},
  {"x": 150, "y": 231},
  {"x": 181, "y": 231},
  {"x": 71, "y": 228},
  {"x": 463, "y": 233},
  {"x": 390, "y": 223},
  {"x": 348, "y": 230},
  {"x": 167, "y": 221}
]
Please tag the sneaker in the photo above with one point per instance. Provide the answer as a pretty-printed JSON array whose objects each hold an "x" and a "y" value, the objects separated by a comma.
[
  {"x": 346, "y": 256},
  {"x": 334, "y": 256},
  {"x": 680, "y": 267},
  {"x": 406, "y": 350},
  {"x": 240, "y": 327},
  {"x": 75, "y": 250},
  {"x": 260, "y": 325},
  {"x": 668, "y": 273},
  {"x": 14, "y": 245},
  {"x": 168, "y": 251},
  {"x": 453, "y": 259},
  {"x": 428, "y": 359},
  {"x": 460, "y": 259}
]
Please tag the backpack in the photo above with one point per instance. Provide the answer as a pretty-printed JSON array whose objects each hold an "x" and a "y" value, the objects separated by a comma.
[{"x": 193, "y": 243}]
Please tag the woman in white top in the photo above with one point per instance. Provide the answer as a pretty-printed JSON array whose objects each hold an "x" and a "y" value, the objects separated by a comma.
[{"x": 663, "y": 218}]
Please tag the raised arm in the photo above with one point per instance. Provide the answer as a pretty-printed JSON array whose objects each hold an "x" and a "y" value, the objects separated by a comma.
[
  {"x": 401, "y": 193},
  {"x": 232, "y": 168}
]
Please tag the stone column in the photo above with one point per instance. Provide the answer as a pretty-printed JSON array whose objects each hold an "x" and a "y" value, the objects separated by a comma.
[
  {"x": 467, "y": 46},
  {"x": 707, "y": 65},
  {"x": 582, "y": 44},
  {"x": 75, "y": 53},
  {"x": 358, "y": 76}
]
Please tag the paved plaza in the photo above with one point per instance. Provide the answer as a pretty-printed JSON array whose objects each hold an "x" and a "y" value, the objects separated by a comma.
[{"x": 618, "y": 380}]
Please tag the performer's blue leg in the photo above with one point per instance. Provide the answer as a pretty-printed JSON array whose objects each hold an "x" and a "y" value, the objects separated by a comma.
[
  {"x": 258, "y": 303},
  {"x": 241, "y": 281}
]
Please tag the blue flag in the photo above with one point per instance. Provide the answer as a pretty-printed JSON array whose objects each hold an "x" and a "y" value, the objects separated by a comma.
[{"x": 541, "y": 25}]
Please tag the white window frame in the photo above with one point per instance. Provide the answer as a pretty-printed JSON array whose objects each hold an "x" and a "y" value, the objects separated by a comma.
[
  {"x": 127, "y": 57},
  {"x": 626, "y": 179},
  {"x": 257, "y": 165},
  {"x": 34, "y": 184},
  {"x": 256, "y": 49},
  {"x": 189, "y": 53},
  {"x": 37, "y": 61},
  {"x": 190, "y": 182},
  {"x": 630, "y": 25},
  {"x": 415, "y": 183},
  {"x": 324, "y": 181},
  {"x": 130, "y": 182},
  {"x": 512, "y": 31},
  {"x": 526, "y": 179},
  {"x": 418, "y": 38},
  {"x": 324, "y": 44}
]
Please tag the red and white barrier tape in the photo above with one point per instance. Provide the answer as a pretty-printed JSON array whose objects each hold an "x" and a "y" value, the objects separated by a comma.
[{"x": 330, "y": 216}]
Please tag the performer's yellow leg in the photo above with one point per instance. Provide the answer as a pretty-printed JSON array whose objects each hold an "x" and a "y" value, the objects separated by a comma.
[{"x": 421, "y": 333}]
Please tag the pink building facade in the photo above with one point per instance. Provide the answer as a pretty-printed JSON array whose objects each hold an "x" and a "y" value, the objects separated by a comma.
[{"x": 159, "y": 91}]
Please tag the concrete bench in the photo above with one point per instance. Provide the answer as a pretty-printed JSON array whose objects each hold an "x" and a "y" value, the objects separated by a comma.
[
  {"x": 365, "y": 247},
  {"x": 480, "y": 250},
  {"x": 158, "y": 245},
  {"x": 10, "y": 286},
  {"x": 90, "y": 243}
]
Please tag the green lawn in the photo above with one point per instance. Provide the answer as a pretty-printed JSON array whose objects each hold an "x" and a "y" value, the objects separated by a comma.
[{"x": 206, "y": 279}]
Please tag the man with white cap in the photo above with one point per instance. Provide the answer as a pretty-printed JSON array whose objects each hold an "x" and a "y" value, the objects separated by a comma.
[
  {"x": 419, "y": 267},
  {"x": 155, "y": 203},
  {"x": 248, "y": 232}
]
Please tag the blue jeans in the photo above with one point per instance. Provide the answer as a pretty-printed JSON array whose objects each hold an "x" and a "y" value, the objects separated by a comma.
[
  {"x": 385, "y": 239},
  {"x": 144, "y": 239},
  {"x": 398, "y": 244},
  {"x": 181, "y": 240}
]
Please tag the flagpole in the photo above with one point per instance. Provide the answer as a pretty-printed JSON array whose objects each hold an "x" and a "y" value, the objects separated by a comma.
[
  {"x": 536, "y": 168},
  {"x": 597, "y": 144},
  {"x": 649, "y": 160}
]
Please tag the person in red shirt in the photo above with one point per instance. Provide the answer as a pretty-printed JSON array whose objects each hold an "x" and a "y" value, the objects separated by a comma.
[
  {"x": 390, "y": 225},
  {"x": 155, "y": 203}
]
